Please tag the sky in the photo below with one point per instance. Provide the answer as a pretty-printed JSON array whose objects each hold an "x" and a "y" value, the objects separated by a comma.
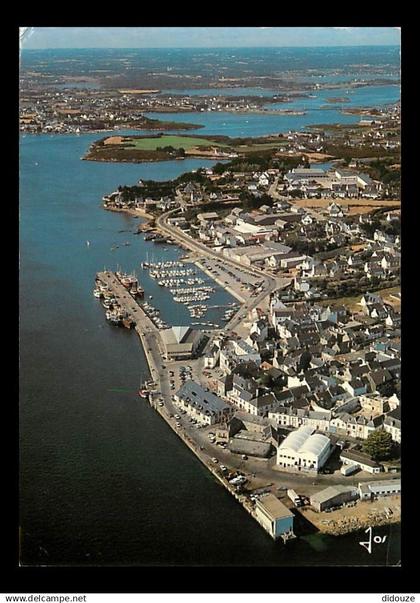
[{"x": 205, "y": 37}]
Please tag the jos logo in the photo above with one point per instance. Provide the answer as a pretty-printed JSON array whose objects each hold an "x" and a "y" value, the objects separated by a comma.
[{"x": 370, "y": 541}]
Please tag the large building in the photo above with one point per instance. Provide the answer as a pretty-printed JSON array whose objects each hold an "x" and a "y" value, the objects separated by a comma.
[
  {"x": 180, "y": 343},
  {"x": 386, "y": 487},
  {"x": 333, "y": 496},
  {"x": 304, "y": 449},
  {"x": 274, "y": 517},
  {"x": 202, "y": 404}
]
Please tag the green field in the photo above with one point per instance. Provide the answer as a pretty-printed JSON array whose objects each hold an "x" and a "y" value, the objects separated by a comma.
[
  {"x": 263, "y": 146},
  {"x": 185, "y": 142}
]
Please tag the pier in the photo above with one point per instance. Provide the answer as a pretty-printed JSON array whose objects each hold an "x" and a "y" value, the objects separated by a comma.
[{"x": 146, "y": 330}]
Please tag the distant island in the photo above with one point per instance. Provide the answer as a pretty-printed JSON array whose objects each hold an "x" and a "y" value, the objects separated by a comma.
[{"x": 162, "y": 147}]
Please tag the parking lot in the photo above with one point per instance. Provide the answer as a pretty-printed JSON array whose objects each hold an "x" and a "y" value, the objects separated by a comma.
[{"x": 237, "y": 279}]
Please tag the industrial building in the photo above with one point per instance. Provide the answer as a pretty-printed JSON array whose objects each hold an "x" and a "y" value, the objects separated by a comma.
[
  {"x": 304, "y": 449},
  {"x": 386, "y": 487},
  {"x": 202, "y": 404},
  {"x": 364, "y": 462},
  {"x": 333, "y": 496},
  {"x": 274, "y": 517},
  {"x": 180, "y": 343}
]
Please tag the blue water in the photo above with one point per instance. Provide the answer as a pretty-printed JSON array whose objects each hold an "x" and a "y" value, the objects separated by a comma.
[
  {"x": 368, "y": 96},
  {"x": 257, "y": 124},
  {"x": 77, "y": 194},
  {"x": 244, "y": 91}
]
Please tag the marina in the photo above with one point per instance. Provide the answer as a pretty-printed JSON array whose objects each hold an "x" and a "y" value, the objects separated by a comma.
[{"x": 188, "y": 288}]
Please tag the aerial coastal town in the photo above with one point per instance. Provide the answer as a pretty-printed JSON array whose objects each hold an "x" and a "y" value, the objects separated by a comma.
[
  {"x": 282, "y": 247},
  {"x": 295, "y": 402}
]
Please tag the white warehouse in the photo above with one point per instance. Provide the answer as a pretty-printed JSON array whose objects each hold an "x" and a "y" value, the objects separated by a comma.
[{"x": 304, "y": 450}]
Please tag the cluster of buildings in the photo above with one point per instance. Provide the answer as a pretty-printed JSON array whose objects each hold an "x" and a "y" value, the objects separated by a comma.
[
  {"x": 74, "y": 110},
  {"x": 332, "y": 183},
  {"x": 184, "y": 103},
  {"x": 318, "y": 372},
  {"x": 337, "y": 495}
]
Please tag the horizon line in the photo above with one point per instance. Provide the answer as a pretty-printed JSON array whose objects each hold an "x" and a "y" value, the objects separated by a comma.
[{"x": 209, "y": 47}]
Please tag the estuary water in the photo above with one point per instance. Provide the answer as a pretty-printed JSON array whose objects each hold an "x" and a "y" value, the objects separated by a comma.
[
  {"x": 317, "y": 111},
  {"x": 104, "y": 481}
]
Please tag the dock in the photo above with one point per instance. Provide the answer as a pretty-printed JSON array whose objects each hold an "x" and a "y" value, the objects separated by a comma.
[{"x": 144, "y": 327}]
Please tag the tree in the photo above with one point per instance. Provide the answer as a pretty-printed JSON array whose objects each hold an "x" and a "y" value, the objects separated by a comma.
[
  {"x": 387, "y": 389},
  {"x": 305, "y": 361},
  {"x": 379, "y": 445}
]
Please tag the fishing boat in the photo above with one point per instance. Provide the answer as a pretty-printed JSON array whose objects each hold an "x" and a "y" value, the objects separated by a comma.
[{"x": 143, "y": 391}]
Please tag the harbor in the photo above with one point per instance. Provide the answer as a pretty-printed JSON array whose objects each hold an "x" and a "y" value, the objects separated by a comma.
[
  {"x": 122, "y": 290},
  {"x": 188, "y": 287},
  {"x": 158, "y": 387}
]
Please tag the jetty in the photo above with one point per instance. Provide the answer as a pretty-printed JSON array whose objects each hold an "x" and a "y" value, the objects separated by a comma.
[{"x": 143, "y": 325}]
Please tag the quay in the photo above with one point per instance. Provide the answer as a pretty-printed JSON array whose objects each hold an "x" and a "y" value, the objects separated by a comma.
[{"x": 144, "y": 327}]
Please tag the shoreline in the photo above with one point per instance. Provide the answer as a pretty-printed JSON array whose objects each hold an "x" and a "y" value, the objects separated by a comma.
[
  {"x": 135, "y": 213},
  {"x": 152, "y": 160},
  {"x": 176, "y": 125}
]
